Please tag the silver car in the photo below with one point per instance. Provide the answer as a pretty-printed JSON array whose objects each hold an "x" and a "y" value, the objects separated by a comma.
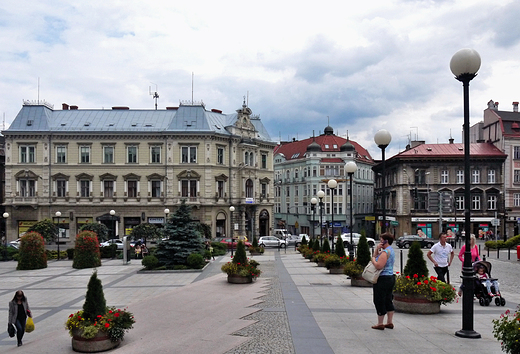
[
  {"x": 355, "y": 239},
  {"x": 271, "y": 241}
]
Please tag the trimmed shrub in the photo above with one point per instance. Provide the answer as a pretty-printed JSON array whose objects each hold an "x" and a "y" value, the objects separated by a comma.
[
  {"x": 363, "y": 252},
  {"x": 52, "y": 254},
  {"x": 326, "y": 246},
  {"x": 95, "y": 303},
  {"x": 108, "y": 251},
  {"x": 219, "y": 249},
  {"x": 70, "y": 253},
  {"x": 86, "y": 253},
  {"x": 150, "y": 262},
  {"x": 416, "y": 263},
  {"x": 240, "y": 254},
  {"x": 195, "y": 261},
  {"x": 32, "y": 252},
  {"x": 340, "y": 249}
]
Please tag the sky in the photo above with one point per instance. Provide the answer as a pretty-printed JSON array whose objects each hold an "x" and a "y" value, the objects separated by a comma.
[{"x": 358, "y": 66}]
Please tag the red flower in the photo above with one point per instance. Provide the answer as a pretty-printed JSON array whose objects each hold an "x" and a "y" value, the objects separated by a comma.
[
  {"x": 107, "y": 325},
  {"x": 415, "y": 276},
  {"x": 407, "y": 277},
  {"x": 426, "y": 282},
  {"x": 71, "y": 315},
  {"x": 396, "y": 272},
  {"x": 419, "y": 283},
  {"x": 116, "y": 314}
]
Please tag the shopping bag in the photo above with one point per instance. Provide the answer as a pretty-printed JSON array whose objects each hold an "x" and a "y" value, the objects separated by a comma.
[{"x": 29, "y": 325}]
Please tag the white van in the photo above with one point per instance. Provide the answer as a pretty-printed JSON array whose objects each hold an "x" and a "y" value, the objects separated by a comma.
[{"x": 281, "y": 233}]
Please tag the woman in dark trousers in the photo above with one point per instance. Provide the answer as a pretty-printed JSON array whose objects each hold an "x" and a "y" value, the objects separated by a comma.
[
  {"x": 18, "y": 312},
  {"x": 384, "y": 258}
]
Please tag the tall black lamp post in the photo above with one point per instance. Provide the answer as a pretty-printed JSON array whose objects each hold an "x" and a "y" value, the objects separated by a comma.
[
  {"x": 113, "y": 219},
  {"x": 314, "y": 201},
  {"x": 58, "y": 215},
  {"x": 382, "y": 140},
  {"x": 231, "y": 210},
  {"x": 464, "y": 65},
  {"x": 320, "y": 195},
  {"x": 4, "y": 236},
  {"x": 350, "y": 168},
  {"x": 332, "y": 183}
]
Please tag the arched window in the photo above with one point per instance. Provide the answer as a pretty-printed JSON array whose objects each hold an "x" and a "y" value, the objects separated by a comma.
[
  {"x": 249, "y": 188},
  {"x": 251, "y": 159}
]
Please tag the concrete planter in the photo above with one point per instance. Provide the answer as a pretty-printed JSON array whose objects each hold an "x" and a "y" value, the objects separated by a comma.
[
  {"x": 238, "y": 279},
  {"x": 415, "y": 304},
  {"x": 100, "y": 343},
  {"x": 336, "y": 270},
  {"x": 321, "y": 264},
  {"x": 360, "y": 282}
]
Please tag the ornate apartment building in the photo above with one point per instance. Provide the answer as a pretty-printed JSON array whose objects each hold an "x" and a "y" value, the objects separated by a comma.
[{"x": 84, "y": 163}]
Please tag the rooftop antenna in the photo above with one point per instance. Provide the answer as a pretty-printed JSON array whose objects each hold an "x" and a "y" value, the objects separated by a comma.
[
  {"x": 3, "y": 123},
  {"x": 328, "y": 121},
  {"x": 38, "y": 89},
  {"x": 155, "y": 94},
  {"x": 347, "y": 135},
  {"x": 416, "y": 133}
]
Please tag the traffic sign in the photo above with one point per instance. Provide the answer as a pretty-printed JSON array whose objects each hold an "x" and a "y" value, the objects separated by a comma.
[
  {"x": 433, "y": 202},
  {"x": 447, "y": 202},
  {"x": 495, "y": 222}
]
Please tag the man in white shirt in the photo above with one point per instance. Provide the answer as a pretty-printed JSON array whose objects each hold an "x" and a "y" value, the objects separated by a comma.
[{"x": 441, "y": 254}]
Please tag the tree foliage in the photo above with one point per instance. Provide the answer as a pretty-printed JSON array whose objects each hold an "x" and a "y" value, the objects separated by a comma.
[
  {"x": 315, "y": 245},
  {"x": 326, "y": 246},
  {"x": 204, "y": 230},
  {"x": 416, "y": 264},
  {"x": 363, "y": 252},
  {"x": 46, "y": 228},
  {"x": 86, "y": 251},
  {"x": 146, "y": 231},
  {"x": 101, "y": 230},
  {"x": 240, "y": 255},
  {"x": 183, "y": 238},
  {"x": 340, "y": 249},
  {"x": 32, "y": 252},
  {"x": 95, "y": 303}
]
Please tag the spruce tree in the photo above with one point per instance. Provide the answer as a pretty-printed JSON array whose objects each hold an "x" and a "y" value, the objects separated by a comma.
[
  {"x": 316, "y": 245},
  {"x": 326, "y": 246},
  {"x": 340, "y": 248},
  {"x": 95, "y": 303},
  {"x": 363, "y": 252},
  {"x": 240, "y": 255},
  {"x": 255, "y": 242},
  {"x": 415, "y": 263},
  {"x": 183, "y": 238},
  {"x": 304, "y": 240}
]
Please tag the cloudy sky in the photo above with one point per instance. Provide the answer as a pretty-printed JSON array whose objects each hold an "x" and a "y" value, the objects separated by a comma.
[{"x": 362, "y": 65}]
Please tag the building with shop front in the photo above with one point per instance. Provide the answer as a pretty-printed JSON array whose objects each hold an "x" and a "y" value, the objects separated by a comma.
[
  {"x": 304, "y": 167},
  {"x": 425, "y": 188},
  {"x": 84, "y": 163}
]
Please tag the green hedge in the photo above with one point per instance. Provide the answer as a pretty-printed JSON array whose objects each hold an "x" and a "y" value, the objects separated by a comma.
[
  {"x": 108, "y": 251},
  {"x": 86, "y": 251},
  {"x": 510, "y": 243},
  {"x": 32, "y": 252}
]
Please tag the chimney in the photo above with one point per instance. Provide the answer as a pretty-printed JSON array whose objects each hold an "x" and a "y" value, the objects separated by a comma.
[
  {"x": 451, "y": 140},
  {"x": 120, "y": 108},
  {"x": 172, "y": 108},
  {"x": 515, "y": 106},
  {"x": 64, "y": 106},
  {"x": 73, "y": 108}
]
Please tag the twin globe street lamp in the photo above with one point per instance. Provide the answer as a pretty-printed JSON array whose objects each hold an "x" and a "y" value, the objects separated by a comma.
[
  {"x": 332, "y": 183},
  {"x": 314, "y": 201},
  {"x": 464, "y": 65},
  {"x": 382, "y": 140},
  {"x": 350, "y": 168}
]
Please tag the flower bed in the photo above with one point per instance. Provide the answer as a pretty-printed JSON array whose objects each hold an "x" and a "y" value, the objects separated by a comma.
[{"x": 429, "y": 288}]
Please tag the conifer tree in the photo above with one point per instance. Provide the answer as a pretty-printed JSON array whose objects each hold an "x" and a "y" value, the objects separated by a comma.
[
  {"x": 340, "y": 248},
  {"x": 326, "y": 246},
  {"x": 316, "y": 245},
  {"x": 416, "y": 263},
  {"x": 95, "y": 303},
  {"x": 240, "y": 254},
  {"x": 255, "y": 242},
  {"x": 304, "y": 240},
  {"x": 183, "y": 238},
  {"x": 363, "y": 251}
]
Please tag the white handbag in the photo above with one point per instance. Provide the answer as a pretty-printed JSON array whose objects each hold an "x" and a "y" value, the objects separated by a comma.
[{"x": 371, "y": 273}]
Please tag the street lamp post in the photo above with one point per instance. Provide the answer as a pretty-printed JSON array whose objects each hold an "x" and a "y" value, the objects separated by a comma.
[
  {"x": 231, "y": 210},
  {"x": 314, "y": 201},
  {"x": 320, "y": 195},
  {"x": 113, "y": 222},
  {"x": 464, "y": 65},
  {"x": 332, "y": 183},
  {"x": 58, "y": 214},
  {"x": 350, "y": 168},
  {"x": 4, "y": 237},
  {"x": 382, "y": 140}
]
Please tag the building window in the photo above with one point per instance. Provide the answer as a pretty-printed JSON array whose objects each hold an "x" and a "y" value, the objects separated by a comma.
[
  {"x": 516, "y": 176},
  {"x": 517, "y": 153},
  {"x": 61, "y": 154},
  {"x": 475, "y": 176},
  {"x": 296, "y": 173},
  {"x": 251, "y": 159},
  {"x": 220, "y": 156},
  {"x": 84, "y": 152},
  {"x": 61, "y": 188},
  {"x": 108, "y": 154},
  {"x": 155, "y": 154},
  {"x": 492, "y": 202},
  {"x": 131, "y": 154},
  {"x": 249, "y": 189},
  {"x": 220, "y": 189},
  {"x": 264, "y": 161},
  {"x": 84, "y": 188},
  {"x": 516, "y": 199},
  {"x": 27, "y": 187},
  {"x": 27, "y": 153},
  {"x": 459, "y": 202},
  {"x": 263, "y": 187},
  {"x": 444, "y": 177},
  {"x": 108, "y": 189},
  {"x": 491, "y": 176},
  {"x": 460, "y": 176},
  {"x": 131, "y": 187},
  {"x": 189, "y": 189},
  {"x": 189, "y": 154},
  {"x": 475, "y": 202},
  {"x": 287, "y": 191},
  {"x": 156, "y": 188}
]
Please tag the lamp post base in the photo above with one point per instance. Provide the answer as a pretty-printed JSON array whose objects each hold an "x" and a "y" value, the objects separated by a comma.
[{"x": 468, "y": 334}]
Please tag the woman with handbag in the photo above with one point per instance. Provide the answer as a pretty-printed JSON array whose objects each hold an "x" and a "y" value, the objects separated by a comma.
[
  {"x": 18, "y": 312},
  {"x": 384, "y": 258}
]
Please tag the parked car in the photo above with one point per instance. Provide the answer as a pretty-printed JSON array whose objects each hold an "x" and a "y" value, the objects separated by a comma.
[
  {"x": 271, "y": 241},
  {"x": 116, "y": 241},
  {"x": 296, "y": 240},
  {"x": 15, "y": 243},
  {"x": 407, "y": 240},
  {"x": 234, "y": 244},
  {"x": 355, "y": 239}
]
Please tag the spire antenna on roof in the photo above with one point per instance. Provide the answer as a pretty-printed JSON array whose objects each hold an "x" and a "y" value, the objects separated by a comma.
[
  {"x": 155, "y": 94},
  {"x": 347, "y": 135}
]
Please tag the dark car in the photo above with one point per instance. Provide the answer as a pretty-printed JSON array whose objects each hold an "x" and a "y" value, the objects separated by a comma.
[
  {"x": 234, "y": 245},
  {"x": 406, "y": 241}
]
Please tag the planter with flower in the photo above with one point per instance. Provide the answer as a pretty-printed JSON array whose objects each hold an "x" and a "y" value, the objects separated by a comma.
[
  {"x": 320, "y": 258},
  {"x": 355, "y": 268},
  {"x": 241, "y": 270},
  {"x": 335, "y": 263},
  {"x": 415, "y": 292},
  {"x": 256, "y": 250},
  {"x": 507, "y": 331},
  {"x": 98, "y": 327}
]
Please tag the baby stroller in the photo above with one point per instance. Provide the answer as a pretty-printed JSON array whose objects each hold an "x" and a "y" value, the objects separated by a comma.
[{"x": 480, "y": 290}]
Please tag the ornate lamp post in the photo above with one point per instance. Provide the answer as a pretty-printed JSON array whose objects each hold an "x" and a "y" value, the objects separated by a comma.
[
  {"x": 320, "y": 195},
  {"x": 350, "y": 168},
  {"x": 382, "y": 140},
  {"x": 232, "y": 209},
  {"x": 113, "y": 222},
  {"x": 464, "y": 65},
  {"x": 58, "y": 215},
  {"x": 314, "y": 201},
  {"x": 4, "y": 237},
  {"x": 332, "y": 183}
]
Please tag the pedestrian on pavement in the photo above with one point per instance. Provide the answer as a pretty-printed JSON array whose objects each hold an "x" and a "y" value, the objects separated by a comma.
[
  {"x": 441, "y": 254},
  {"x": 384, "y": 258},
  {"x": 18, "y": 312},
  {"x": 474, "y": 255}
]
